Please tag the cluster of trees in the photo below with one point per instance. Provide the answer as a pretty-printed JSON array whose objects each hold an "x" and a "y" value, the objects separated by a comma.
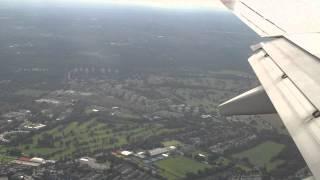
[
  {"x": 293, "y": 161},
  {"x": 46, "y": 140},
  {"x": 14, "y": 152}
]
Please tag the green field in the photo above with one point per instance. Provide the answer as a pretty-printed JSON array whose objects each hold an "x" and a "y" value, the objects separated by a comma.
[
  {"x": 86, "y": 137},
  {"x": 172, "y": 143},
  {"x": 178, "y": 167},
  {"x": 30, "y": 92},
  {"x": 262, "y": 154},
  {"x": 6, "y": 159}
]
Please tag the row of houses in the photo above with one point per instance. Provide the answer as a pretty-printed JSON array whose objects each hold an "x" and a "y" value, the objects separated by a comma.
[{"x": 35, "y": 161}]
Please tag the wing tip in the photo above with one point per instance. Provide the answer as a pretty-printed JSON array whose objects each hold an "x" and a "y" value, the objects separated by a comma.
[{"x": 254, "y": 101}]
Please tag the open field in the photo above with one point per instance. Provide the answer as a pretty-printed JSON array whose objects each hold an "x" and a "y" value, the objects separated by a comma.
[
  {"x": 262, "y": 154},
  {"x": 178, "y": 167}
]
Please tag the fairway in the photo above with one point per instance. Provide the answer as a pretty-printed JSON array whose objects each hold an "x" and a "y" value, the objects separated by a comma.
[
  {"x": 178, "y": 167},
  {"x": 86, "y": 137},
  {"x": 262, "y": 154}
]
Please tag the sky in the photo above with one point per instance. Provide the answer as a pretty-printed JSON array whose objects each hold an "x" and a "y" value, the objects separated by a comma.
[
  {"x": 174, "y": 4},
  {"x": 168, "y": 4}
]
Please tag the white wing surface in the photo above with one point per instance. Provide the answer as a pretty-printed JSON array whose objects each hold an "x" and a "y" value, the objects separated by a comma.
[{"x": 287, "y": 66}]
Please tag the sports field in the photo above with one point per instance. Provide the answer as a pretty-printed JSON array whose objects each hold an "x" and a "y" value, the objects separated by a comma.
[
  {"x": 262, "y": 154},
  {"x": 177, "y": 167}
]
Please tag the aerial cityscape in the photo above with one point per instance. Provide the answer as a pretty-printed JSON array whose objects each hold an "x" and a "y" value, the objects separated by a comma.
[{"x": 129, "y": 92}]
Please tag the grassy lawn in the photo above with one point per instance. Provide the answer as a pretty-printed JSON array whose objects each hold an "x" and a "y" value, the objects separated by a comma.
[
  {"x": 6, "y": 159},
  {"x": 262, "y": 154},
  {"x": 177, "y": 167},
  {"x": 171, "y": 143}
]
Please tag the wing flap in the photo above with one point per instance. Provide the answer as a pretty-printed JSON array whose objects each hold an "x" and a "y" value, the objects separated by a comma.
[
  {"x": 301, "y": 67},
  {"x": 294, "y": 108}
]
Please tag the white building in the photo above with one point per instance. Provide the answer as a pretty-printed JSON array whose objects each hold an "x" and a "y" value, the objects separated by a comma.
[
  {"x": 38, "y": 160},
  {"x": 158, "y": 151},
  {"x": 126, "y": 153}
]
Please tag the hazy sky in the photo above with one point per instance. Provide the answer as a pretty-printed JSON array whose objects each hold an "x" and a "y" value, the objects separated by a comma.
[
  {"x": 169, "y": 4},
  {"x": 176, "y": 4}
]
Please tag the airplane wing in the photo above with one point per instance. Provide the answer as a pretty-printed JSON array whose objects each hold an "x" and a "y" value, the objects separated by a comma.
[{"x": 288, "y": 68}]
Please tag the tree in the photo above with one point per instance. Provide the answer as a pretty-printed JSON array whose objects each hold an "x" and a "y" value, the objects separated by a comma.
[
  {"x": 14, "y": 152},
  {"x": 47, "y": 140}
]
